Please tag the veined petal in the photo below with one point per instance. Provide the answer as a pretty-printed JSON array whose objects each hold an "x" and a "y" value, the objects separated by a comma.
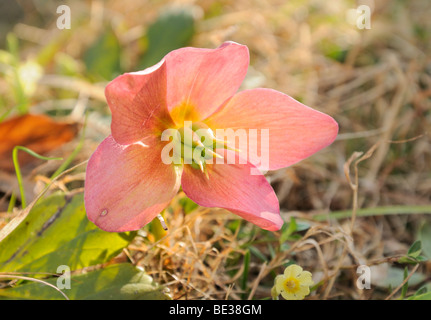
[
  {"x": 305, "y": 278},
  {"x": 138, "y": 104},
  {"x": 127, "y": 186},
  {"x": 231, "y": 186},
  {"x": 279, "y": 282},
  {"x": 292, "y": 271},
  {"x": 288, "y": 296},
  {"x": 295, "y": 131},
  {"x": 201, "y": 80},
  {"x": 302, "y": 292}
]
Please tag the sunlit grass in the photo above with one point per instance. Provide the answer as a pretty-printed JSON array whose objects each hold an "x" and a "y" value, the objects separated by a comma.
[{"x": 375, "y": 83}]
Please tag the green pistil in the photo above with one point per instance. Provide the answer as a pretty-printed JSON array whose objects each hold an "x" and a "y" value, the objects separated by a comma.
[{"x": 198, "y": 143}]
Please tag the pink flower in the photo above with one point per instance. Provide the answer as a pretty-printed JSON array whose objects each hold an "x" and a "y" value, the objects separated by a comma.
[{"x": 127, "y": 183}]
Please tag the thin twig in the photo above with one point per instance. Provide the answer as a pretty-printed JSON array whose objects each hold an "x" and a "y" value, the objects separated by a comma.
[
  {"x": 34, "y": 280},
  {"x": 403, "y": 283}
]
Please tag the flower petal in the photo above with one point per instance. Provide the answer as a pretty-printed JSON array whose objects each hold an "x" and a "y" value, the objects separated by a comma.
[
  {"x": 292, "y": 271},
  {"x": 201, "y": 80},
  {"x": 289, "y": 296},
  {"x": 138, "y": 104},
  {"x": 279, "y": 283},
  {"x": 231, "y": 186},
  {"x": 127, "y": 186},
  {"x": 305, "y": 278},
  {"x": 295, "y": 131},
  {"x": 302, "y": 292}
]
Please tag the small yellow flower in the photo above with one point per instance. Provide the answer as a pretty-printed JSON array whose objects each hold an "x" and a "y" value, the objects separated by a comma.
[{"x": 294, "y": 284}]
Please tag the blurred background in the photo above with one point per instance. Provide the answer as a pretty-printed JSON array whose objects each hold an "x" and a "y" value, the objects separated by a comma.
[{"x": 373, "y": 76}]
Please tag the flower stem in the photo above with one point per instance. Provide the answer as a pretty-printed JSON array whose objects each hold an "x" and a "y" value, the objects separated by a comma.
[{"x": 18, "y": 170}]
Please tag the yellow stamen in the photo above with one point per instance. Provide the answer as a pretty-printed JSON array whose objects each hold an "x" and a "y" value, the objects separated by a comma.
[
  {"x": 291, "y": 285},
  {"x": 214, "y": 154},
  {"x": 206, "y": 173}
]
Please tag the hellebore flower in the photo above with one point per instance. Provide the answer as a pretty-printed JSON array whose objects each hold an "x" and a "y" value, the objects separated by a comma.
[
  {"x": 193, "y": 91},
  {"x": 294, "y": 284}
]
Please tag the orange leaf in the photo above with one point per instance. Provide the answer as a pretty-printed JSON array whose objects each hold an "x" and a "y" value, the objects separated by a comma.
[{"x": 37, "y": 132}]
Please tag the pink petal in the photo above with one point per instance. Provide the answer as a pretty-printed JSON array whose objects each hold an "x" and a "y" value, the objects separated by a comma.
[
  {"x": 295, "y": 130},
  {"x": 200, "y": 80},
  {"x": 127, "y": 186},
  {"x": 231, "y": 186},
  {"x": 138, "y": 104}
]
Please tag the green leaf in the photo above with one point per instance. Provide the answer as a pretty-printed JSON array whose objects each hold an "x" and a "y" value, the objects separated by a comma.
[
  {"x": 395, "y": 276},
  {"x": 406, "y": 285},
  {"x": 188, "y": 205},
  {"x": 377, "y": 211},
  {"x": 420, "y": 291},
  {"x": 234, "y": 225},
  {"x": 413, "y": 254},
  {"x": 284, "y": 247},
  {"x": 287, "y": 230},
  {"x": 173, "y": 29},
  {"x": 21, "y": 100},
  {"x": 57, "y": 232},
  {"x": 245, "y": 273},
  {"x": 415, "y": 249},
  {"x": 115, "y": 282},
  {"x": 103, "y": 57},
  {"x": 293, "y": 226},
  {"x": 255, "y": 251},
  {"x": 13, "y": 45},
  {"x": 407, "y": 259},
  {"x": 301, "y": 226},
  {"x": 421, "y": 259},
  {"x": 53, "y": 50},
  {"x": 425, "y": 238},
  {"x": 424, "y": 296}
]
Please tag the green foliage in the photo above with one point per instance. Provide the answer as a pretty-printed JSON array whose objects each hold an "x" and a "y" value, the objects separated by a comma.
[
  {"x": 425, "y": 238},
  {"x": 18, "y": 170},
  {"x": 10, "y": 65},
  {"x": 395, "y": 276},
  {"x": 333, "y": 51},
  {"x": 406, "y": 284},
  {"x": 172, "y": 30},
  {"x": 413, "y": 254},
  {"x": 188, "y": 205},
  {"x": 288, "y": 232},
  {"x": 75, "y": 152},
  {"x": 420, "y": 295},
  {"x": 57, "y": 232},
  {"x": 103, "y": 57},
  {"x": 256, "y": 252},
  {"x": 245, "y": 273},
  {"x": 119, "y": 282},
  {"x": 376, "y": 211}
]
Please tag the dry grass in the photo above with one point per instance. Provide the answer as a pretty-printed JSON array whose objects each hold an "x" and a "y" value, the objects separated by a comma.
[
  {"x": 378, "y": 92},
  {"x": 376, "y": 83}
]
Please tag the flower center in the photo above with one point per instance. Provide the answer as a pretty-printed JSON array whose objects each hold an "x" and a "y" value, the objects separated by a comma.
[
  {"x": 291, "y": 285},
  {"x": 198, "y": 143}
]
